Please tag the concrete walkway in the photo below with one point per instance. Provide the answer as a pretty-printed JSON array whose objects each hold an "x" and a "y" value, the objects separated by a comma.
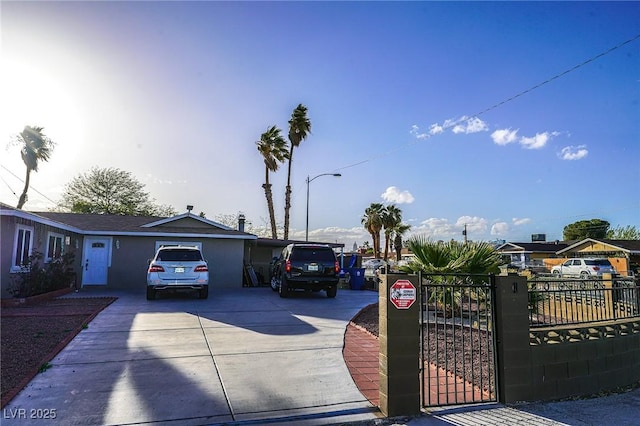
[{"x": 243, "y": 356}]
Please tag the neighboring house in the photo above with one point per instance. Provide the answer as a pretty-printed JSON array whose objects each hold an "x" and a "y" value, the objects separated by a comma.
[
  {"x": 623, "y": 254},
  {"x": 114, "y": 250},
  {"x": 523, "y": 254}
]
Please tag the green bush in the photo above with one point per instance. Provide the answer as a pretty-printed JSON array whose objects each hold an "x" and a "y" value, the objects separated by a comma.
[{"x": 38, "y": 278}]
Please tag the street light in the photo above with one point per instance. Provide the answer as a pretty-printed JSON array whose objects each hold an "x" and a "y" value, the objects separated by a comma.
[{"x": 306, "y": 238}]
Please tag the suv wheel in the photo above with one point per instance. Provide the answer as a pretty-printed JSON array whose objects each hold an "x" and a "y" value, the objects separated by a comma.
[
  {"x": 204, "y": 292},
  {"x": 584, "y": 275},
  {"x": 274, "y": 284},
  {"x": 332, "y": 291},
  {"x": 151, "y": 293},
  {"x": 284, "y": 287}
]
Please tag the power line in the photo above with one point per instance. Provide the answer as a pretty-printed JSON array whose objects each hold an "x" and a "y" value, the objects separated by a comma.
[
  {"x": 30, "y": 186},
  {"x": 465, "y": 118},
  {"x": 10, "y": 189}
]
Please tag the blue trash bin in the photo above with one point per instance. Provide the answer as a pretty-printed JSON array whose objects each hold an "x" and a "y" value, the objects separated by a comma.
[{"x": 356, "y": 280}]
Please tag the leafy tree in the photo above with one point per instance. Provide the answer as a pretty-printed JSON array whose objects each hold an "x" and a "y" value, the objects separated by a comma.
[
  {"x": 34, "y": 147},
  {"x": 628, "y": 232},
  {"x": 110, "y": 191},
  {"x": 391, "y": 217},
  {"x": 372, "y": 221},
  {"x": 594, "y": 228},
  {"x": 299, "y": 128},
  {"x": 274, "y": 150}
]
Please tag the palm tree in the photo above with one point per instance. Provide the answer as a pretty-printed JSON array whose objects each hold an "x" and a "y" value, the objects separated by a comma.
[
  {"x": 453, "y": 257},
  {"x": 372, "y": 221},
  {"x": 35, "y": 147},
  {"x": 398, "y": 231},
  {"x": 299, "y": 128},
  {"x": 391, "y": 216},
  {"x": 274, "y": 151}
]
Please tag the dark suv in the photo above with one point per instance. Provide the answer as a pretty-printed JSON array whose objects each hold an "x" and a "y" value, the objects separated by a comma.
[{"x": 306, "y": 266}]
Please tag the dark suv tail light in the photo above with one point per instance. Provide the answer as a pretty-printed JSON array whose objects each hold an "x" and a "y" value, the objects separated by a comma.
[
  {"x": 336, "y": 267},
  {"x": 156, "y": 268},
  {"x": 596, "y": 268},
  {"x": 287, "y": 266},
  {"x": 201, "y": 268}
]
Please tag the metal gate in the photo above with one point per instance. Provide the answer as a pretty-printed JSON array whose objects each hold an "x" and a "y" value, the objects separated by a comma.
[{"x": 458, "y": 346}]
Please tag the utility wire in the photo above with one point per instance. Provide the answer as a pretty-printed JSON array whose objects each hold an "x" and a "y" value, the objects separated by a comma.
[
  {"x": 465, "y": 118},
  {"x": 30, "y": 186}
]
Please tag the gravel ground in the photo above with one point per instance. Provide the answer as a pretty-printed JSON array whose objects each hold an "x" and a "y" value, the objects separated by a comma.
[
  {"x": 32, "y": 335},
  {"x": 462, "y": 358}
]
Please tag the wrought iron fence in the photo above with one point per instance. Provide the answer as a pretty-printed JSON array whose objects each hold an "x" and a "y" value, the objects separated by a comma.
[
  {"x": 563, "y": 301},
  {"x": 458, "y": 345}
]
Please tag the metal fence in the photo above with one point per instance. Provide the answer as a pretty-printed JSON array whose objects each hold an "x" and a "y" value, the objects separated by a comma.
[
  {"x": 563, "y": 301},
  {"x": 458, "y": 345}
]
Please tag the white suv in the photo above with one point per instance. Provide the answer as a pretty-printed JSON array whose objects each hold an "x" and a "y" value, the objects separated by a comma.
[
  {"x": 584, "y": 268},
  {"x": 178, "y": 268}
]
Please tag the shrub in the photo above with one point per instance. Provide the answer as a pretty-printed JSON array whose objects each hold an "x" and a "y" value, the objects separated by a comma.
[{"x": 38, "y": 278}]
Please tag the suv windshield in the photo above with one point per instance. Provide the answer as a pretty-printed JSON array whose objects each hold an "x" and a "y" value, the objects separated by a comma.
[
  {"x": 312, "y": 254},
  {"x": 174, "y": 255}
]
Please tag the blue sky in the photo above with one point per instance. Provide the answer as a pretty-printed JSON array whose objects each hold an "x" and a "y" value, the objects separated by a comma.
[{"x": 404, "y": 101}]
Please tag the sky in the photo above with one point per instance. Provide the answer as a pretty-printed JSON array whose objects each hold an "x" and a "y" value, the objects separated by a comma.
[{"x": 509, "y": 118}]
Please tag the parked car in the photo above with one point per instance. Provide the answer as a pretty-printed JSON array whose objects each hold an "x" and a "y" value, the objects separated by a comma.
[
  {"x": 306, "y": 266},
  {"x": 178, "y": 268},
  {"x": 371, "y": 268},
  {"x": 583, "y": 267}
]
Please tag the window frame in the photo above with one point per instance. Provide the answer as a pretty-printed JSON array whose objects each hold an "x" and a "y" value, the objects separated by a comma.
[
  {"x": 56, "y": 236},
  {"x": 17, "y": 267}
]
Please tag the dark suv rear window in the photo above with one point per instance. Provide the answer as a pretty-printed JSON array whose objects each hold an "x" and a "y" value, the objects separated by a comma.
[
  {"x": 309, "y": 254},
  {"x": 180, "y": 255}
]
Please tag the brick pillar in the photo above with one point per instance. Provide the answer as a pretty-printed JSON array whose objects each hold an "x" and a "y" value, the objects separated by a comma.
[
  {"x": 399, "y": 338},
  {"x": 512, "y": 338}
]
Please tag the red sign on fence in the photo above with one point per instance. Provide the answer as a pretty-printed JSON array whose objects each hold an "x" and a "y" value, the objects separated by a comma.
[{"x": 402, "y": 294}]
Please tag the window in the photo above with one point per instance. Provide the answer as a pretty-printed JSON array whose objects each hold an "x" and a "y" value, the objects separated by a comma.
[
  {"x": 55, "y": 248},
  {"x": 22, "y": 247}
]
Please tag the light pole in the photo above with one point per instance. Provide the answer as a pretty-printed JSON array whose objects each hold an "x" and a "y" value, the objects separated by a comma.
[{"x": 306, "y": 238}]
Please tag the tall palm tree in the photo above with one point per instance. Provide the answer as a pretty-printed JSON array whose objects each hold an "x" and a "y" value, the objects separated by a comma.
[
  {"x": 398, "y": 232},
  {"x": 391, "y": 216},
  {"x": 274, "y": 151},
  {"x": 299, "y": 128},
  {"x": 372, "y": 221},
  {"x": 35, "y": 147}
]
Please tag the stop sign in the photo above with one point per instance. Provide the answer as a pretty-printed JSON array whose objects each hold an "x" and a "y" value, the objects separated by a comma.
[{"x": 402, "y": 294}]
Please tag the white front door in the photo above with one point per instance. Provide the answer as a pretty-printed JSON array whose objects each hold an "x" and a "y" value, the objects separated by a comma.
[{"x": 95, "y": 262}]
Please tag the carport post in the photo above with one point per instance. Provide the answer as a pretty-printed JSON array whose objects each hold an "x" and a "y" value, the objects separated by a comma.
[{"x": 399, "y": 338}]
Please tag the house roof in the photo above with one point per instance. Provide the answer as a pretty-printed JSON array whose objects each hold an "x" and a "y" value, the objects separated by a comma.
[
  {"x": 533, "y": 247},
  {"x": 627, "y": 246},
  {"x": 106, "y": 224}
]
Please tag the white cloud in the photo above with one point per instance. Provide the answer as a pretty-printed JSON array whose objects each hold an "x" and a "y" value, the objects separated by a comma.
[
  {"x": 470, "y": 125},
  {"x": 520, "y": 221},
  {"x": 442, "y": 229},
  {"x": 436, "y": 228},
  {"x": 395, "y": 195},
  {"x": 536, "y": 142},
  {"x": 504, "y": 136},
  {"x": 415, "y": 131},
  {"x": 436, "y": 129},
  {"x": 500, "y": 228},
  {"x": 474, "y": 224},
  {"x": 573, "y": 152}
]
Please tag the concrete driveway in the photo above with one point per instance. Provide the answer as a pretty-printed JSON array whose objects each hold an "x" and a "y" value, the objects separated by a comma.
[{"x": 242, "y": 356}]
